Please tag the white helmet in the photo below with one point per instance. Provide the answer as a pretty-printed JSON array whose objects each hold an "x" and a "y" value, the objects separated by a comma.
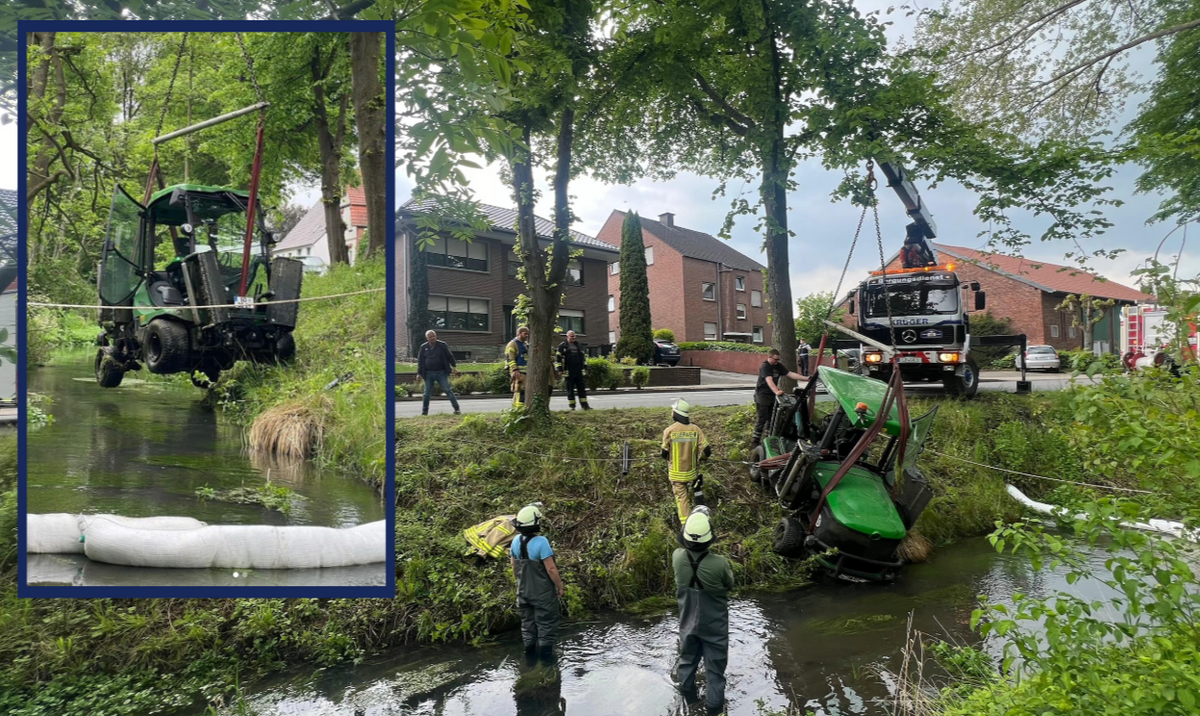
[{"x": 530, "y": 516}]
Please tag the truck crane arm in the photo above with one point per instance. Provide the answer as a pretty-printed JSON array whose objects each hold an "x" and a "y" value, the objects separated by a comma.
[{"x": 918, "y": 250}]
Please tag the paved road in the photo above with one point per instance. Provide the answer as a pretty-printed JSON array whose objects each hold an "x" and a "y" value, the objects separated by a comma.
[{"x": 651, "y": 399}]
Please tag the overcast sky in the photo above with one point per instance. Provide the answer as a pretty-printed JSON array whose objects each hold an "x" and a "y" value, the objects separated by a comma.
[{"x": 824, "y": 230}]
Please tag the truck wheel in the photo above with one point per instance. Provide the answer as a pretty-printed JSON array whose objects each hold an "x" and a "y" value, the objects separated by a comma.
[
  {"x": 109, "y": 372},
  {"x": 756, "y": 473},
  {"x": 168, "y": 347},
  {"x": 789, "y": 538},
  {"x": 966, "y": 385}
]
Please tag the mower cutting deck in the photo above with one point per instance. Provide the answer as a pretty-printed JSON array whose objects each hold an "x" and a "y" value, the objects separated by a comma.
[{"x": 837, "y": 478}]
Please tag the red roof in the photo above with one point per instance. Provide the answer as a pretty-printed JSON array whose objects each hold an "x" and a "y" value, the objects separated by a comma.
[
  {"x": 1046, "y": 276},
  {"x": 358, "y": 206}
]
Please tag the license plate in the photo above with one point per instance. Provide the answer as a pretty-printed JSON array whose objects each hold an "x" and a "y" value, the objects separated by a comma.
[{"x": 910, "y": 359}]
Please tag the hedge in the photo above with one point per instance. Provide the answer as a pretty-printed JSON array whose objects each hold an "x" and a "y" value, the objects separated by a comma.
[{"x": 723, "y": 346}]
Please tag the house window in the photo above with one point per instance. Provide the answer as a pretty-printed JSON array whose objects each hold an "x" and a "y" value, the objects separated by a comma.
[
  {"x": 710, "y": 292},
  {"x": 612, "y": 336},
  {"x": 710, "y": 331},
  {"x": 615, "y": 267},
  {"x": 1054, "y": 331},
  {"x": 649, "y": 255},
  {"x": 739, "y": 283},
  {"x": 455, "y": 313},
  {"x": 574, "y": 274},
  {"x": 514, "y": 265},
  {"x": 758, "y": 334},
  {"x": 612, "y": 304},
  {"x": 459, "y": 254},
  {"x": 1070, "y": 331},
  {"x": 741, "y": 311},
  {"x": 756, "y": 299},
  {"x": 569, "y": 320}
]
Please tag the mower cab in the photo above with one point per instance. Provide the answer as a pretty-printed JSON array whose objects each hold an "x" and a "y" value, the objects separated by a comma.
[
  {"x": 182, "y": 293},
  {"x": 848, "y": 501}
]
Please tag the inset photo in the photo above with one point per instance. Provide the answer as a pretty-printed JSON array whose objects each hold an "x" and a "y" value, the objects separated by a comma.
[{"x": 206, "y": 220}]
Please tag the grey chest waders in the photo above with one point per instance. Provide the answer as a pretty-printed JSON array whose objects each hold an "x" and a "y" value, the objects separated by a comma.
[
  {"x": 537, "y": 600},
  {"x": 703, "y": 632}
]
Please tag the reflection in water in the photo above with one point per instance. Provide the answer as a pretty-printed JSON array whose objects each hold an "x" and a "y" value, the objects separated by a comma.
[
  {"x": 144, "y": 448},
  {"x": 817, "y": 648}
]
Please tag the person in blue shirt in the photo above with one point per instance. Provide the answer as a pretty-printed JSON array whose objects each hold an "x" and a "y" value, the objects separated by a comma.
[{"x": 539, "y": 585}]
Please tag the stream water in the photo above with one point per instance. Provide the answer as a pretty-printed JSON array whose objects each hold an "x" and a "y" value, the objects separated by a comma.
[
  {"x": 143, "y": 449},
  {"x": 819, "y": 648}
]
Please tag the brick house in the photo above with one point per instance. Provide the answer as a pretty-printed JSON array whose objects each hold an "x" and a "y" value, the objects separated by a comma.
[
  {"x": 700, "y": 287},
  {"x": 307, "y": 237},
  {"x": 473, "y": 285},
  {"x": 1027, "y": 293}
]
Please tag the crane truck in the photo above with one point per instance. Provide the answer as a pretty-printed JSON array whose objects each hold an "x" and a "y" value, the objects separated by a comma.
[{"x": 921, "y": 308}]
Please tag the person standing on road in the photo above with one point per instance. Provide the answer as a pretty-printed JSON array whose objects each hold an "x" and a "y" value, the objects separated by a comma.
[
  {"x": 572, "y": 360},
  {"x": 516, "y": 355},
  {"x": 434, "y": 363},
  {"x": 539, "y": 586},
  {"x": 702, "y": 584},
  {"x": 765, "y": 391},
  {"x": 802, "y": 357},
  {"x": 685, "y": 446}
]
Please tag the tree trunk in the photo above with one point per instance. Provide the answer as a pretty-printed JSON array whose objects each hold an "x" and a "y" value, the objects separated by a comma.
[
  {"x": 418, "y": 293},
  {"x": 40, "y": 178},
  {"x": 369, "y": 114},
  {"x": 779, "y": 287},
  {"x": 329, "y": 139},
  {"x": 1088, "y": 324}
]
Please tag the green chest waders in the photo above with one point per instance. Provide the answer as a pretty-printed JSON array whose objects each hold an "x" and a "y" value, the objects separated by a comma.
[
  {"x": 703, "y": 632},
  {"x": 537, "y": 601}
]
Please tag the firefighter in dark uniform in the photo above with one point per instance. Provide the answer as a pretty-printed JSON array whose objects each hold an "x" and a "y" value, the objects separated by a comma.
[{"x": 572, "y": 360}]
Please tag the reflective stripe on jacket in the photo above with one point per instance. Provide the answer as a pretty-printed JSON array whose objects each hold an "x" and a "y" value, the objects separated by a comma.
[
  {"x": 491, "y": 538},
  {"x": 686, "y": 443},
  {"x": 515, "y": 354}
]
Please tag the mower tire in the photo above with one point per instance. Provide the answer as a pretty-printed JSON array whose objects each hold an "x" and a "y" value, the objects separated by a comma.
[
  {"x": 285, "y": 347},
  {"x": 167, "y": 347},
  {"x": 789, "y": 538},
  {"x": 109, "y": 372},
  {"x": 966, "y": 385},
  {"x": 756, "y": 473}
]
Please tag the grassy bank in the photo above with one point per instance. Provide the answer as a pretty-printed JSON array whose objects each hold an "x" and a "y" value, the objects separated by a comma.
[
  {"x": 611, "y": 531},
  {"x": 342, "y": 339}
]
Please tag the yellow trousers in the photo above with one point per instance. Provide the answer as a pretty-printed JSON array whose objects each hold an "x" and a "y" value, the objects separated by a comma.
[
  {"x": 518, "y": 389},
  {"x": 683, "y": 498}
]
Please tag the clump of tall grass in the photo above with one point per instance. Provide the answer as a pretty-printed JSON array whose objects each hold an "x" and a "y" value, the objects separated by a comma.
[{"x": 294, "y": 429}]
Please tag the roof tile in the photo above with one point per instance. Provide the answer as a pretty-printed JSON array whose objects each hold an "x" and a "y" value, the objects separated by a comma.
[
  {"x": 1047, "y": 276},
  {"x": 698, "y": 245}
]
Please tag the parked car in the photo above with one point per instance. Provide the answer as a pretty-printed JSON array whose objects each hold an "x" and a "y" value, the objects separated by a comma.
[
  {"x": 1039, "y": 358},
  {"x": 666, "y": 352}
]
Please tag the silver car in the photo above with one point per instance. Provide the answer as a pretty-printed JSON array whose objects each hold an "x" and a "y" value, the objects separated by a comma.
[{"x": 1039, "y": 358}]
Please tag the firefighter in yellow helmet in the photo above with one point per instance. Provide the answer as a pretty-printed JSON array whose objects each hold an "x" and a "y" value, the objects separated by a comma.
[
  {"x": 685, "y": 446},
  {"x": 539, "y": 585},
  {"x": 702, "y": 584}
]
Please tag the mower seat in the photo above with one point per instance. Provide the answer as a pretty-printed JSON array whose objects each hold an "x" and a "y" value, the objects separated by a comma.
[{"x": 164, "y": 294}]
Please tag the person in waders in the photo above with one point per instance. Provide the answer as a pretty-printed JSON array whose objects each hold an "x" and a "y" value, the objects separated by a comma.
[
  {"x": 539, "y": 585},
  {"x": 684, "y": 445},
  {"x": 516, "y": 355},
  {"x": 702, "y": 584}
]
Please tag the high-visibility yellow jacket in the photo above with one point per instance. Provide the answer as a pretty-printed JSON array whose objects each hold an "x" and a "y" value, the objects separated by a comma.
[
  {"x": 686, "y": 444},
  {"x": 491, "y": 538},
  {"x": 516, "y": 354}
]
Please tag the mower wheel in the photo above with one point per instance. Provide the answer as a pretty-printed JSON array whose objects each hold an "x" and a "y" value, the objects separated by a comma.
[
  {"x": 109, "y": 372},
  {"x": 168, "y": 347},
  {"x": 285, "y": 347},
  {"x": 756, "y": 473},
  {"x": 789, "y": 538}
]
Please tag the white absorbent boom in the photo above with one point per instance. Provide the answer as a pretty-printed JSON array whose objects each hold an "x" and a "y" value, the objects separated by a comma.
[{"x": 185, "y": 542}]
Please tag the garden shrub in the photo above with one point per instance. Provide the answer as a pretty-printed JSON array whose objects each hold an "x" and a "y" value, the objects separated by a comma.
[
  {"x": 640, "y": 377},
  {"x": 664, "y": 334}
]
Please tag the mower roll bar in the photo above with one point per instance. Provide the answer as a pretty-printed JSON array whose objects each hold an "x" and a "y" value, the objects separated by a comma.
[{"x": 211, "y": 122}]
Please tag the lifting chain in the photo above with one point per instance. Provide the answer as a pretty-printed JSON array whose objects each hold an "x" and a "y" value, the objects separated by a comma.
[
  {"x": 250, "y": 67},
  {"x": 887, "y": 293},
  {"x": 162, "y": 116}
]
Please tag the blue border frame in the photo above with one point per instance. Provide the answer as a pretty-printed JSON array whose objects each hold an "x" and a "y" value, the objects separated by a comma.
[{"x": 387, "y": 591}]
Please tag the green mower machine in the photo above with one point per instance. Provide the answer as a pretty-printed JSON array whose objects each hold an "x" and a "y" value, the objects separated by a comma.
[
  {"x": 836, "y": 477},
  {"x": 181, "y": 291}
]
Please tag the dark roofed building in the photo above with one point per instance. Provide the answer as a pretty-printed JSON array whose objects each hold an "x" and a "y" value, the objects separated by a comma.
[
  {"x": 473, "y": 284},
  {"x": 700, "y": 287}
]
